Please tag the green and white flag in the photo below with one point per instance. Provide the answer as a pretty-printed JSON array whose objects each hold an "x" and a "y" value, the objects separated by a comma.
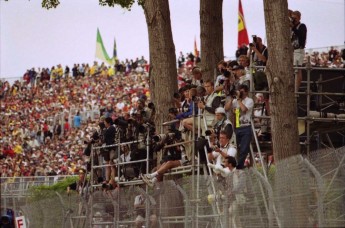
[{"x": 101, "y": 53}]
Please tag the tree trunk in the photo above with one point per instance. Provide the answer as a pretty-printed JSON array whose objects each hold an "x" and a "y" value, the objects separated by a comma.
[
  {"x": 292, "y": 205},
  {"x": 281, "y": 80},
  {"x": 211, "y": 35},
  {"x": 163, "y": 73}
]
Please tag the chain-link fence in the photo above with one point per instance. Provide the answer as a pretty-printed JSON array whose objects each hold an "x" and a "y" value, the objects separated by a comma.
[{"x": 298, "y": 192}]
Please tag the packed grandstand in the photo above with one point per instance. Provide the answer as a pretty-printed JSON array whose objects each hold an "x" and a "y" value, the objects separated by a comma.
[{"x": 49, "y": 115}]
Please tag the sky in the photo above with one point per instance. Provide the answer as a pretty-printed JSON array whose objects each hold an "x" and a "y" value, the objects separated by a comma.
[{"x": 31, "y": 36}]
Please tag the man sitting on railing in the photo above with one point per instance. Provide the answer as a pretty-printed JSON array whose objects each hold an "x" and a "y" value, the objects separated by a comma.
[{"x": 174, "y": 157}]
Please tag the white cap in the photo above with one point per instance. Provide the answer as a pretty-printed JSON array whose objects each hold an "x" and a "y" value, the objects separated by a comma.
[{"x": 220, "y": 110}]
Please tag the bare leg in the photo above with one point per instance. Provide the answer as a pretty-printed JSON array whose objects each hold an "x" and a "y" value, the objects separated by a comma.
[
  {"x": 113, "y": 170},
  {"x": 168, "y": 165},
  {"x": 298, "y": 80},
  {"x": 188, "y": 123},
  {"x": 107, "y": 171}
]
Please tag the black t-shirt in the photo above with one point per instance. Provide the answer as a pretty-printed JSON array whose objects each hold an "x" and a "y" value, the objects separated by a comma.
[
  {"x": 109, "y": 135},
  {"x": 299, "y": 36}
]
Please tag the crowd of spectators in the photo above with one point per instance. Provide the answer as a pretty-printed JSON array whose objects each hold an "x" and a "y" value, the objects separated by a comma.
[
  {"x": 47, "y": 116},
  {"x": 332, "y": 58}
]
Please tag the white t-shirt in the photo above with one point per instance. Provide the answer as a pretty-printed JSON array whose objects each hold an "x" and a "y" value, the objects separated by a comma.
[
  {"x": 246, "y": 77},
  {"x": 230, "y": 150},
  {"x": 219, "y": 77},
  {"x": 120, "y": 105},
  {"x": 139, "y": 200},
  {"x": 244, "y": 118}
]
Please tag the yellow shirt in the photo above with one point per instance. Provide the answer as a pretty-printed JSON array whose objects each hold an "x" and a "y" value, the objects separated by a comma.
[
  {"x": 93, "y": 70},
  {"x": 111, "y": 72},
  {"x": 18, "y": 149},
  {"x": 59, "y": 71}
]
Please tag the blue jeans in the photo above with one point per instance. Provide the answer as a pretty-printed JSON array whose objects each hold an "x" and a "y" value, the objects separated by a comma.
[{"x": 243, "y": 138}]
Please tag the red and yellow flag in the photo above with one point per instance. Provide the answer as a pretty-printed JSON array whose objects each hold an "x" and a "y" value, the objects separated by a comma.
[
  {"x": 242, "y": 29},
  {"x": 196, "y": 52}
]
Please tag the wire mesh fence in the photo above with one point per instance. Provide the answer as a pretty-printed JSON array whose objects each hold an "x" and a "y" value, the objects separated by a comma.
[{"x": 297, "y": 192}]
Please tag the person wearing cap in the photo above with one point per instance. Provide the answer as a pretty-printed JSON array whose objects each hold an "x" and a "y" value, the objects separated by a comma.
[
  {"x": 241, "y": 75},
  {"x": 242, "y": 107},
  {"x": 223, "y": 124}
]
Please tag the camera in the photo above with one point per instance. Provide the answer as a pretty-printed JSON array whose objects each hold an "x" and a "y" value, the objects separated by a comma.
[
  {"x": 146, "y": 126},
  {"x": 177, "y": 110},
  {"x": 151, "y": 105},
  {"x": 208, "y": 132},
  {"x": 106, "y": 186},
  {"x": 198, "y": 99},
  {"x": 232, "y": 93},
  {"x": 121, "y": 122},
  {"x": 241, "y": 95},
  {"x": 215, "y": 147},
  {"x": 177, "y": 96},
  {"x": 162, "y": 137},
  {"x": 225, "y": 72},
  {"x": 254, "y": 41},
  {"x": 254, "y": 38},
  {"x": 173, "y": 110}
]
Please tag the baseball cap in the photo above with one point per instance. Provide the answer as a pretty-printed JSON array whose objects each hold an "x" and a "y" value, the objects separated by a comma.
[
  {"x": 238, "y": 67},
  {"x": 220, "y": 110}
]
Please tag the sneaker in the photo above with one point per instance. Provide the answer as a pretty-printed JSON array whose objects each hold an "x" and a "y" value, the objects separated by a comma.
[
  {"x": 150, "y": 183},
  {"x": 147, "y": 180},
  {"x": 145, "y": 176}
]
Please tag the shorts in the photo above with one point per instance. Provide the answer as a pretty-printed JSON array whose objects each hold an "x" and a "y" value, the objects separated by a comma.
[
  {"x": 183, "y": 160},
  {"x": 109, "y": 155},
  {"x": 298, "y": 57}
]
